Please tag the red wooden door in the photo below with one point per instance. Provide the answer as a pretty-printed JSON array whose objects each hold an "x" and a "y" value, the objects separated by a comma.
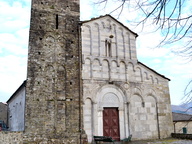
[{"x": 111, "y": 123}]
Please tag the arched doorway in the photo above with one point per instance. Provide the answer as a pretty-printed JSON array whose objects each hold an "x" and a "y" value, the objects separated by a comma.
[{"x": 110, "y": 112}]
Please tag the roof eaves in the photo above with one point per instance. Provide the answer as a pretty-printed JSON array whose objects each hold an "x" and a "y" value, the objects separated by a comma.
[
  {"x": 92, "y": 19},
  {"x": 154, "y": 71},
  {"x": 20, "y": 87}
]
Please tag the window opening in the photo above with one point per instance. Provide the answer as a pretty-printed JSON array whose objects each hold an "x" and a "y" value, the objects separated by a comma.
[
  {"x": 108, "y": 47},
  {"x": 57, "y": 21}
]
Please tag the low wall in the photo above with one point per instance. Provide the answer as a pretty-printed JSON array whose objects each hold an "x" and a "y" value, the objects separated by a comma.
[
  {"x": 181, "y": 136},
  {"x": 11, "y": 137}
]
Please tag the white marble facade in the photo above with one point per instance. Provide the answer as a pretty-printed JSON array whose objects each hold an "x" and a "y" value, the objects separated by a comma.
[{"x": 113, "y": 77}]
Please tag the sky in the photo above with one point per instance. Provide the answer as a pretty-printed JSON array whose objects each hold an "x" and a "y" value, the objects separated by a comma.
[{"x": 14, "y": 33}]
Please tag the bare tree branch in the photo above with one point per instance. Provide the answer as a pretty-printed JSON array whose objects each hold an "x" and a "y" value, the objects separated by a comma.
[
  {"x": 170, "y": 18},
  {"x": 166, "y": 15}
]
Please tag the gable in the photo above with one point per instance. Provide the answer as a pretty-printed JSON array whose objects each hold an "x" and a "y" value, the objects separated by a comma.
[
  {"x": 99, "y": 34},
  {"x": 109, "y": 18}
]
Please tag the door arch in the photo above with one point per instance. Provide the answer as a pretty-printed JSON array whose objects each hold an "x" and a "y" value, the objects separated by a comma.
[{"x": 110, "y": 96}]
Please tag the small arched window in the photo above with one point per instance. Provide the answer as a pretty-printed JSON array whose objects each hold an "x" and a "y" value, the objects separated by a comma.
[{"x": 108, "y": 47}]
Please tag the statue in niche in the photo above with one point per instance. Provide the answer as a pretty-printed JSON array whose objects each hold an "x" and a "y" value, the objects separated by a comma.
[{"x": 108, "y": 50}]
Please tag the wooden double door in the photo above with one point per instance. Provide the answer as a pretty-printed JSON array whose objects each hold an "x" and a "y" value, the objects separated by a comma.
[{"x": 111, "y": 123}]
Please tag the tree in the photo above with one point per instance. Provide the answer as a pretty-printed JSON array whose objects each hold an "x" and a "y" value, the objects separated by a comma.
[
  {"x": 188, "y": 92},
  {"x": 171, "y": 17}
]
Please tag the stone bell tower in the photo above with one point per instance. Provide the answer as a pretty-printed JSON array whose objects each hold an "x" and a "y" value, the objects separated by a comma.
[{"x": 53, "y": 92}]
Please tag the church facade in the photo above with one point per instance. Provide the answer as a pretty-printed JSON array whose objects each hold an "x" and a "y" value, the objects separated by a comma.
[{"x": 121, "y": 95}]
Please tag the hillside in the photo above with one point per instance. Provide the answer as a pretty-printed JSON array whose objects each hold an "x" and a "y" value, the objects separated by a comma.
[{"x": 185, "y": 108}]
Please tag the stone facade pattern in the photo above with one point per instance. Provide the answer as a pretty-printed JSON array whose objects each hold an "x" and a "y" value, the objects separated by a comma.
[
  {"x": 3, "y": 112},
  {"x": 112, "y": 77},
  {"x": 11, "y": 137},
  {"x": 178, "y": 127},
  {"x": 52, "y": 113}
]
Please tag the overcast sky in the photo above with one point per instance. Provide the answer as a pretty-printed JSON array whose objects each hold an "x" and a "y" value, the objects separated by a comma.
[{"x": 14, "y": 33}]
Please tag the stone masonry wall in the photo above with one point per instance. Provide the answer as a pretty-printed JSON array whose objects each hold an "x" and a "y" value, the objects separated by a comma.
[
  {"x": 179, "y": 127},
  {"x": 11, "y": 137},
  {"x": 52, "y": 113}
]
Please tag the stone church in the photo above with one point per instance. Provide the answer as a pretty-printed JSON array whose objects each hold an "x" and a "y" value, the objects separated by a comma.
[
  {"x": 121, "y": 96},
  {"x": 84, "y": 80}
]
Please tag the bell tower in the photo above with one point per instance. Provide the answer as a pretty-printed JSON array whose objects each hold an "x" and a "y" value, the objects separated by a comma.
[{"x": 53, "y": 91}]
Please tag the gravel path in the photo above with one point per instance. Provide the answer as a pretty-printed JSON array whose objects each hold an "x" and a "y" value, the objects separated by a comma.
[{"x": 164, "y": 141}]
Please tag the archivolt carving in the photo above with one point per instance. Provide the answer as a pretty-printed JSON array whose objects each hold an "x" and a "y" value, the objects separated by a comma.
[
  {"x": 115, "y": 91},
  {"x": 110, "y": 98}
]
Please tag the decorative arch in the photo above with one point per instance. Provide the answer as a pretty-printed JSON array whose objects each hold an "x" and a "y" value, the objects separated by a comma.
[
  {"x": 138, "y": 74},
  {"x": 152, "y": 115},
  {"x": 88, "y": 116},
  {"x": 151, "y": 78},
  {"x": 156, "y": 81},
  {"x": 98, "y": 60},
  {"x": 146, "y": 76},
  {"x": 87, "y": 40},
  {"x": 110, "y": 96},
  {"x": 152, "y": 93},
  {"x": 96, "y": 39},
  {"x": 136, "y": 101},
  {"x": 137, "y": 91},
  {"x": 124, "y": 62},
  {"x": 87, "y": 58},
  {"x": 131, "y": 66},
  {"x": 121, "y": 49},
  {"x": 110, "y": 89},
  {"x": 96, "y": 69}
]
